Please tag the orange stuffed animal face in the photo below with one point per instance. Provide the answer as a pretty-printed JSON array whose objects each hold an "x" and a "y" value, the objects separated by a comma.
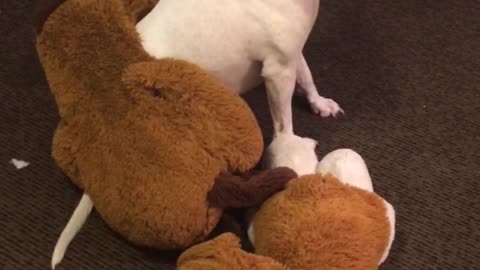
[{"x": 320, "y": 223}]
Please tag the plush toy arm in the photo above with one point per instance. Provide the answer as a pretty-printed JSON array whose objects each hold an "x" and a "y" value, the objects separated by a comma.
[
  {"x": 224, "y": 252},
  {"x": 211, "y": 249},
  {"x": 234, "y": 191}
]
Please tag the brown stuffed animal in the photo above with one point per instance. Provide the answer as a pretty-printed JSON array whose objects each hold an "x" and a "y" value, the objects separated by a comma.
[
  {"x": 147, "y": 140},
  {"x": 328, "y": 220},
  {"x": 317, "y": 222},
  {"x": 320, "y": 223}
]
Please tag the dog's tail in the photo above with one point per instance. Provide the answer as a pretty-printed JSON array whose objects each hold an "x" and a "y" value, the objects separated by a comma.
[{"x": 75, "y": 223}]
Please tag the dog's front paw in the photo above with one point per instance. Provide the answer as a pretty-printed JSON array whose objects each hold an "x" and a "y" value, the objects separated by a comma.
[
  {"x": 291, "y": 151},
  {"x": 325, "y": 107}
]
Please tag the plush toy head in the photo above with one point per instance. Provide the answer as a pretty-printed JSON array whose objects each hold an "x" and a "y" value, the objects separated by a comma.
[
  {"x": 145, "y": 138},
  {"x": 318, "y": 221},
  {"x": 321, "y": 222}
]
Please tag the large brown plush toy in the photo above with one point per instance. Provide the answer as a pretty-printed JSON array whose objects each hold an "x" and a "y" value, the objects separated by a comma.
[
  {"x": 154, "y": 144},
  {"x": 329, "y": 220}
]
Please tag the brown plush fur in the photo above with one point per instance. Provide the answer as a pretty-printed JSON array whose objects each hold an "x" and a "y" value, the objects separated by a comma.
[
  {"x": 224, "y": 253},
  {"x": 320, "y": 223},
  {"x": 144, "y": 138}
]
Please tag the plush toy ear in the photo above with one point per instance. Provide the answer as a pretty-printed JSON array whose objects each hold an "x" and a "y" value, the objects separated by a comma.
[
  {"x": 235, "y": 191},
  {"x": 391, "y": 218},
  {"x": 348, "y": 167}
]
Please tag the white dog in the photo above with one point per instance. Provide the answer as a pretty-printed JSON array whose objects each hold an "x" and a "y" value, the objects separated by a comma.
[{"x": 242, "y": 43}]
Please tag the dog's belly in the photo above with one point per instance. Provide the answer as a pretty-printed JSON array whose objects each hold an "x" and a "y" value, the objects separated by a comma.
[
  {"x": 239, "y": 77},
  {"x": 234, "y": 71},
  {"x": 228, "y": 66},
  {"x": 218, "y": 42},
  {"x": 227, "y": 63}
]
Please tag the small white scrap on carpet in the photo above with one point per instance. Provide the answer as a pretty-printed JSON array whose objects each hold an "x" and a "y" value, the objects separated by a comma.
[{"x": 19, "y": 164}]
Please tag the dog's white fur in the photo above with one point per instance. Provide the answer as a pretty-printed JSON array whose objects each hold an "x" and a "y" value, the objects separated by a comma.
[
  {"x": 242, "y": 43},
  {"x": 79, "y": 216},
  {"x": 289, "y": 150}
]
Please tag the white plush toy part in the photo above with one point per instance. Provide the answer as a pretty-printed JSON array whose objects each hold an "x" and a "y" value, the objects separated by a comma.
[{"x": 350, "y": 168}]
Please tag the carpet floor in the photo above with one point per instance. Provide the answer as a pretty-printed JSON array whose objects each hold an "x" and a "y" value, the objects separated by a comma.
[{"x": 407, "y": 74}]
